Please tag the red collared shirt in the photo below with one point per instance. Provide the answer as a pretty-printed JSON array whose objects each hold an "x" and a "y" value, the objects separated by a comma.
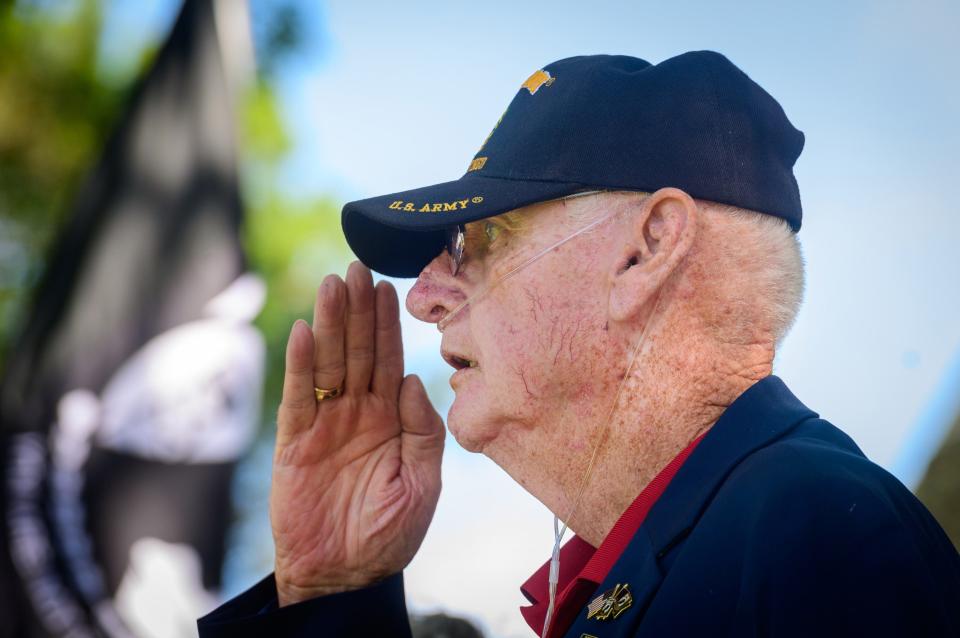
[{"x": 583, "y": 568}]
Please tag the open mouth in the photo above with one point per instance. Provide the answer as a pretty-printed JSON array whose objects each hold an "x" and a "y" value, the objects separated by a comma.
[{"x": 458, "y": 362}]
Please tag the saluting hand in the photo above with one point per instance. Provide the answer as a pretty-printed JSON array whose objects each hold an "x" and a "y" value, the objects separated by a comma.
[{"x": 355, "y": 478}]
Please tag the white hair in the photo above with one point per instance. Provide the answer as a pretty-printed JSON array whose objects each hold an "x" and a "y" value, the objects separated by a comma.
[{"x": 775, "y": 266}]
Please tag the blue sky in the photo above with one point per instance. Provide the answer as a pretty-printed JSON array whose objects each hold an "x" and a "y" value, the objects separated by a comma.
[{"x": 391, "y": 96}]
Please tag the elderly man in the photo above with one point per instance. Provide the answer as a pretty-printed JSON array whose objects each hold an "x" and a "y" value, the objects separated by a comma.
[{"x": 611, "y": 276}]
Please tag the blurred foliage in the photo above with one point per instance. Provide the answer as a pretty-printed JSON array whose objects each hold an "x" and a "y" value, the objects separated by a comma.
[
  {"x": 58, "y": 107},
  {"x": 55, "y": 112},
  {"x": 262, "y": 133},
  {"x": 940, "y": 488},
  {"x": 278, "y": 31}
]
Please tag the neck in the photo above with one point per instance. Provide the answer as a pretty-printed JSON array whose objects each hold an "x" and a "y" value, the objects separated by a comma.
[{"x": 675, "y": 393}]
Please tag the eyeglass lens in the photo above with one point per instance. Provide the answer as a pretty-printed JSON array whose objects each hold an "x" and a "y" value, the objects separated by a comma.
[{"x": 455, "y": 242}]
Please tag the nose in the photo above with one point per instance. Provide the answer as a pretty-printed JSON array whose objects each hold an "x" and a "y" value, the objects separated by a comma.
[{"x": 436, "y": 291}]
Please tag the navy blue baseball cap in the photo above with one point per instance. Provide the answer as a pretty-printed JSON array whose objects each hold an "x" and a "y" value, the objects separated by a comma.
[{"x": 695, "y": 122}]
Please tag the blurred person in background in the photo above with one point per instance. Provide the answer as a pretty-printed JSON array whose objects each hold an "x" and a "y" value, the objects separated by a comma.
[{"x": 612, "y": 277}]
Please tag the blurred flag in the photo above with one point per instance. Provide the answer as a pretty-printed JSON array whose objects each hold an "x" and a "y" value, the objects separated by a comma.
[{"x": 135, "y": 384}]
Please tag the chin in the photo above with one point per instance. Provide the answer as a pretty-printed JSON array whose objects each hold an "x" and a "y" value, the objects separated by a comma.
[{"x": 468, "y": 430}]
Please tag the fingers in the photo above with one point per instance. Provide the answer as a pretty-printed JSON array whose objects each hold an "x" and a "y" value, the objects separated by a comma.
[
  {"x": 329, "y": 368},
  {"x": 359, "y": 346},
  {"x": 388, "y": 344},
  {"x": 423, "y": 431},
  {"x": 299, "y": 404}
]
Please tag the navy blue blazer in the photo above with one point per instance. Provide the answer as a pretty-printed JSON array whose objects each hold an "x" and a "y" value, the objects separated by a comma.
[{"x": 776, "y": 525}]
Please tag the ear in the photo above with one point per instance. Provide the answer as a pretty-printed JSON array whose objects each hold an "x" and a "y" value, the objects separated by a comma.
[{"x": 660, "y": 234}]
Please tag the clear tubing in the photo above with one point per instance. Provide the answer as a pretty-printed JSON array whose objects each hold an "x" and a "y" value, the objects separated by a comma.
[{"x": 558, "y": 533}]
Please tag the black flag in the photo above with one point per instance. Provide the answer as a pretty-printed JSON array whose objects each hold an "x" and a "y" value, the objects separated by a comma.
[{"x": 135, "y": 383}]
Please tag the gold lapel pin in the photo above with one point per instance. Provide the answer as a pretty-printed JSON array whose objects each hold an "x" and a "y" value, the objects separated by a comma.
[{"x": 611, "y": 603}]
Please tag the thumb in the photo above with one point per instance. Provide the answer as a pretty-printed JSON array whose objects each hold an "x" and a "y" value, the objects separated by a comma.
[{"x": 423, "y": 431}]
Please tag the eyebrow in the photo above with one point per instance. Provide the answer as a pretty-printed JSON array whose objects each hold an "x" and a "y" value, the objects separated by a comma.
[{"x": 512, "y": 220}]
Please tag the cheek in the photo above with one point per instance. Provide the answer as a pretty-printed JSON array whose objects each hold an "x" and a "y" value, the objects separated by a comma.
[
  {"x": 540, "y": 356},
  {"x": 553, "y": 343}
]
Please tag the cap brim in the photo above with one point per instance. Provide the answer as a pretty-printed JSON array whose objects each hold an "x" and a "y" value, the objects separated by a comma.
[{"x": 400, "y": 233}]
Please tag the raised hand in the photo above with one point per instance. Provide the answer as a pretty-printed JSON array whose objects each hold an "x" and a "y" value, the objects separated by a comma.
[{"x": 355, "y": 478}]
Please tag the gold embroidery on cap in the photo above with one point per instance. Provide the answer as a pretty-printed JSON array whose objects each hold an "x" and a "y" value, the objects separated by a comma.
[
  {"x": 434, "y": 207},
  {"x": 538, "y": 79},
  {"x": 477, "y": 164}
]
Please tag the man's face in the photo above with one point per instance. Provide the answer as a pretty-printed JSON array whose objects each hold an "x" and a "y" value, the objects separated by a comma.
[{"x": 538, "y": 341}]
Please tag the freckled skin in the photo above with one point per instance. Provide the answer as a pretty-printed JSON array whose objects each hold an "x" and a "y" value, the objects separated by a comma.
[{"x": 553, "y": 344}]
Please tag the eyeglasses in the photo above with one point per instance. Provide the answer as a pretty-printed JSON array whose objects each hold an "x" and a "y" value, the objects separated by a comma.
[{"x": 457, "y": 236}]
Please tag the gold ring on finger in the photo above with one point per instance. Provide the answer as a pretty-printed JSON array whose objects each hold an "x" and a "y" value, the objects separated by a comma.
[{"x": 327, "y": 393}]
